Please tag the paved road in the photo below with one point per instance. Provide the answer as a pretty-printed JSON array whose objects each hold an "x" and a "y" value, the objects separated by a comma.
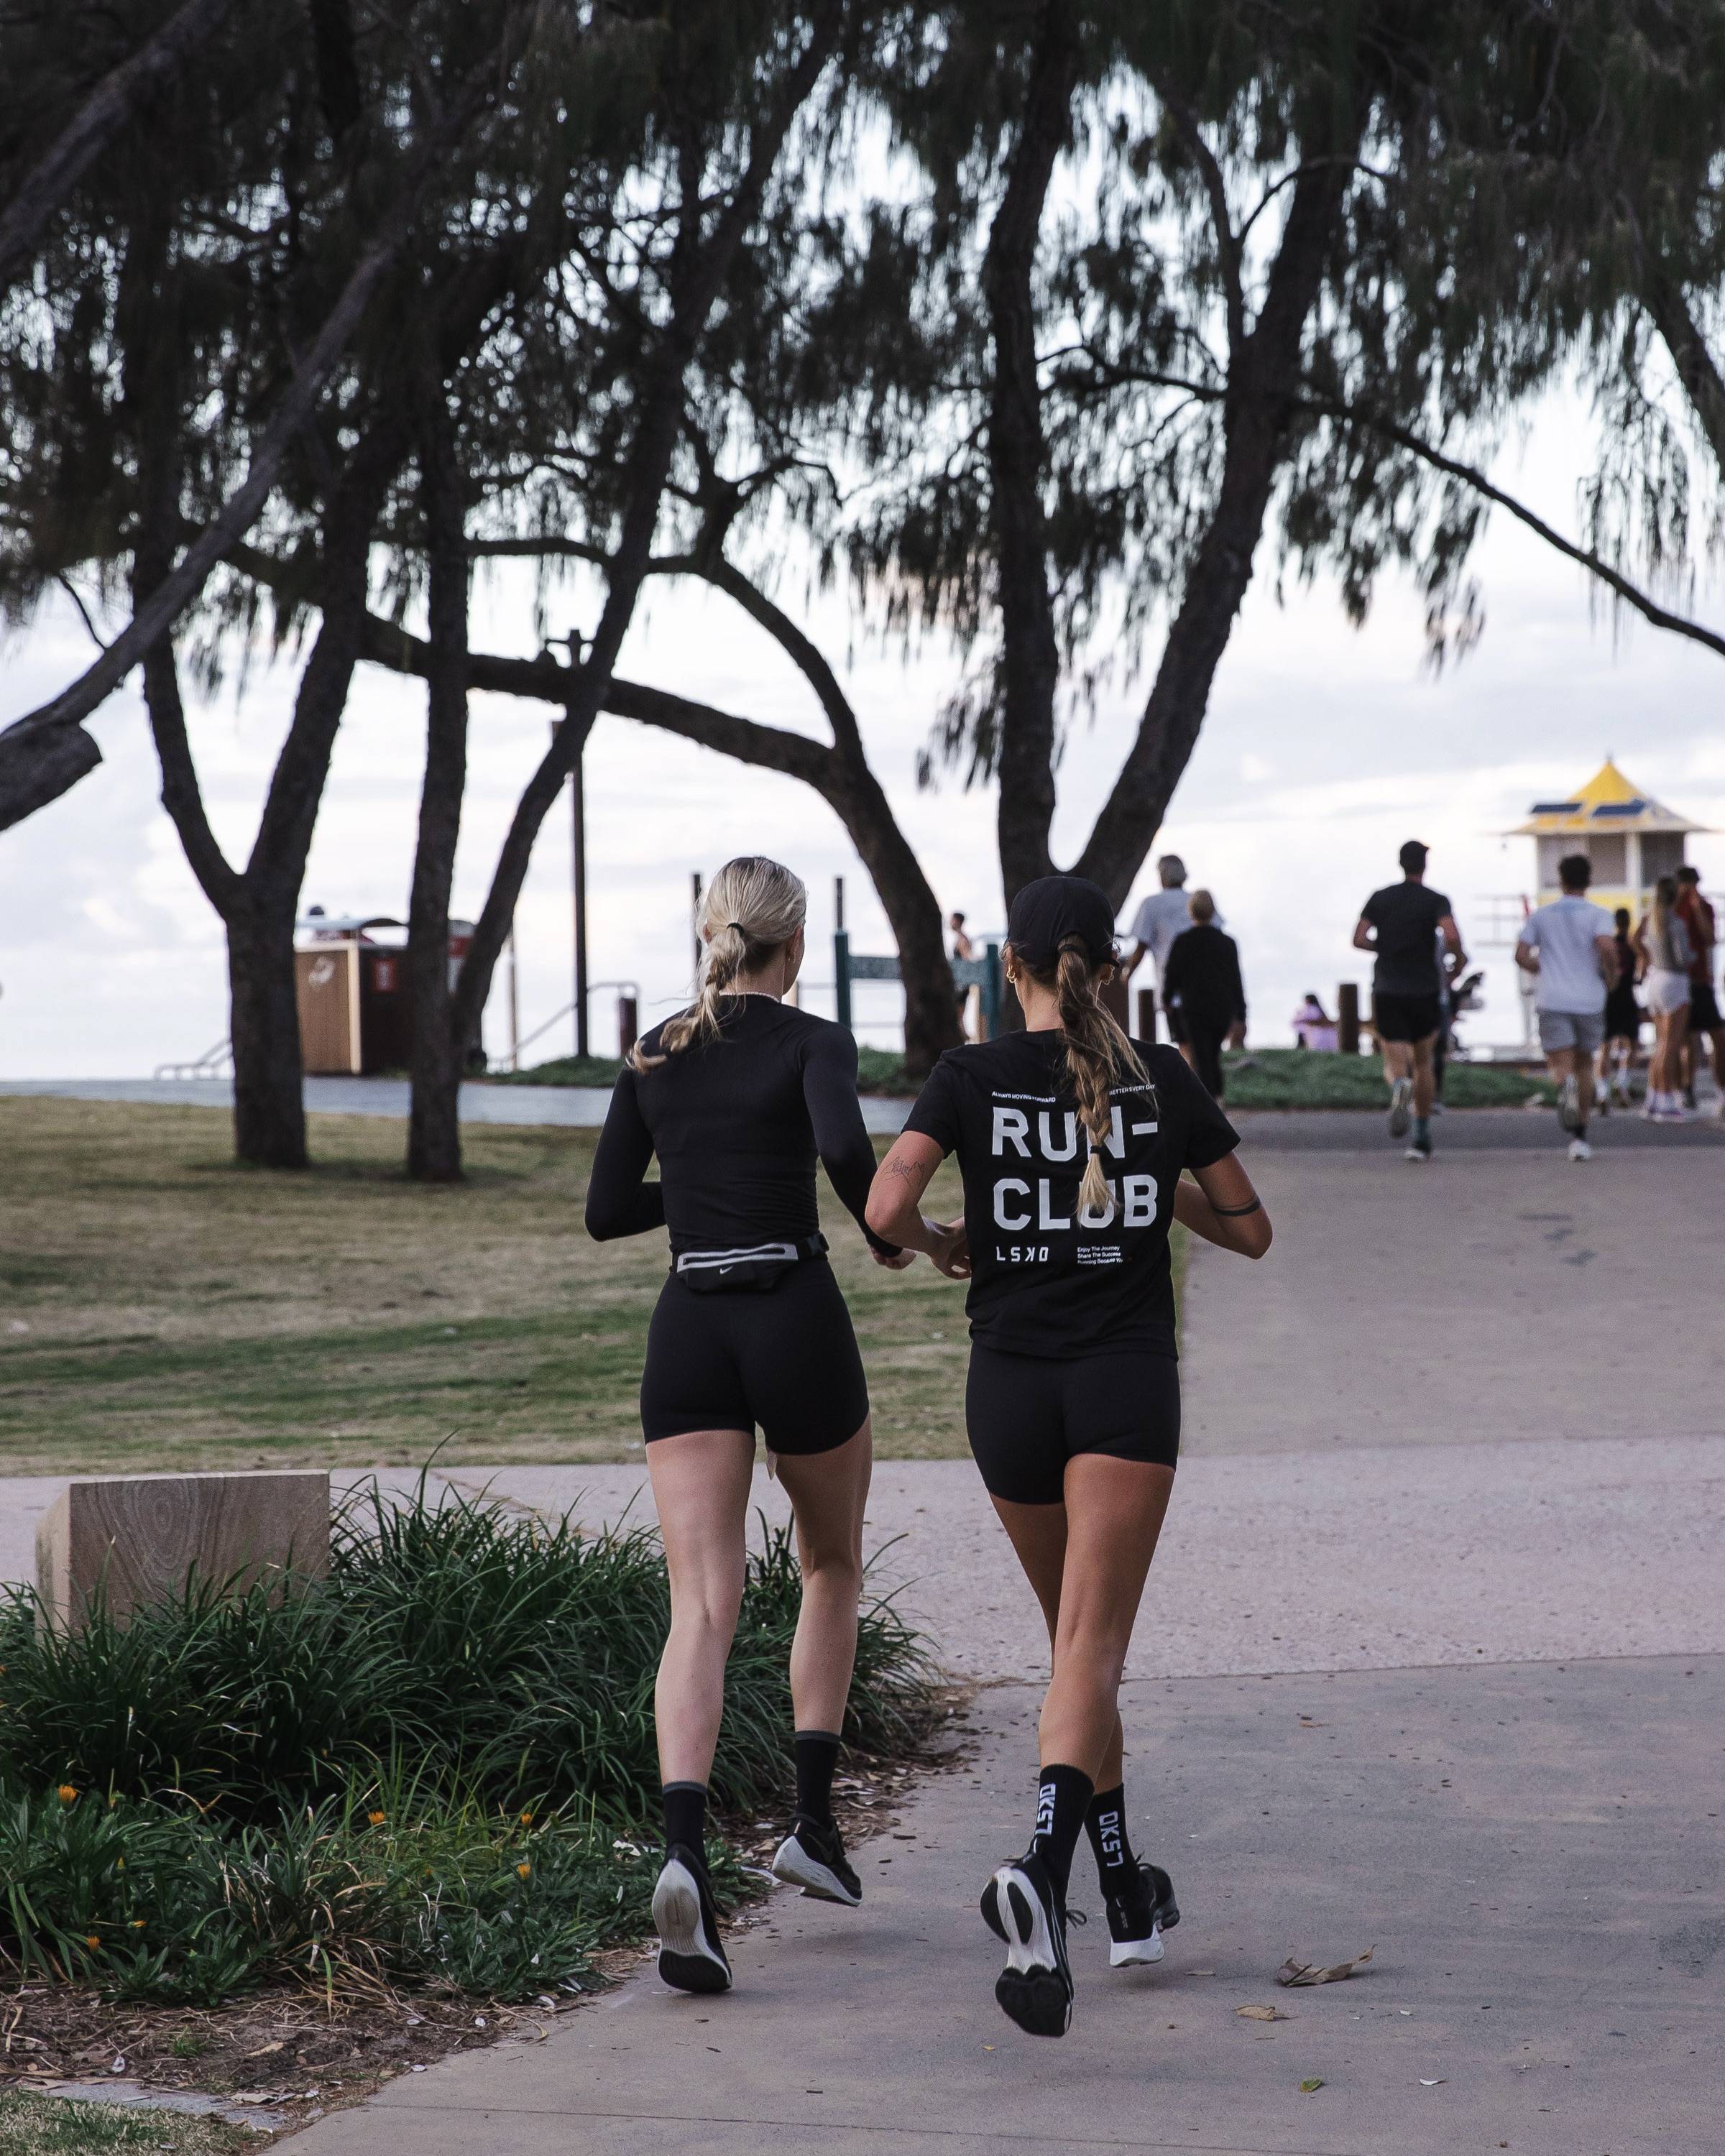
[{"x": 1527, "y": 1849}]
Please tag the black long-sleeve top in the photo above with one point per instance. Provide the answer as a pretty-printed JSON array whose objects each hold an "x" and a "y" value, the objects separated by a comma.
[
  {"x": 738, "y": 1125},
  {"x": 1202, "y": 976}
]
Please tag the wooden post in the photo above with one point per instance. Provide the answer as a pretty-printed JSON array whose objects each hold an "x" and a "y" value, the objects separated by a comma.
[
  {"x": 1348, "y": 1018},
  {"x": 628, "y": 1025},
  {"x": 1147, "y": 1013},
  {"x": 132, "y": 1539},
  {"x": 694, "y": 886},
  {"x": 1113, "y": 996}
]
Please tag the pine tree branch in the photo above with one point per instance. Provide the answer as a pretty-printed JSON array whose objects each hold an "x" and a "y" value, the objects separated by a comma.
[{"x": 114, "y": 101}]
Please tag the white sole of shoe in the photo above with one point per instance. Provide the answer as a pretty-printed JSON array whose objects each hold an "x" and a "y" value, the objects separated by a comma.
[
  {"x": 1401, "y": 1116},
  {"x": 797, "y": 1868},
  {"x": 1136, "y": 1954},
  {"x": 687, "y": 1959},
  {"x": 1030, "y": 1989}
]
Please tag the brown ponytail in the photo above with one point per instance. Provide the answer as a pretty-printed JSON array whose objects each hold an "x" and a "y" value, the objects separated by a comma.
[
  {"x": 752, "y": 906},
  {"x": 1098, "y": 1056}
]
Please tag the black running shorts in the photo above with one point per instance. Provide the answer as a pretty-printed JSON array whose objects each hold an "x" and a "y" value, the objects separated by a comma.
[
  {"x": 1028, "y": 1415},
  {"x": 785, "y": 1359},
  {"x": 1405, "y": 1018},
  {"x": 1704, "y": 1008}
]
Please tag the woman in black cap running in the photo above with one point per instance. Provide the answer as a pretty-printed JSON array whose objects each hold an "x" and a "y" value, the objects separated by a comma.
[
  {"x": 1072, "y": 1140},
  {"x": 736, "y": 1097}
]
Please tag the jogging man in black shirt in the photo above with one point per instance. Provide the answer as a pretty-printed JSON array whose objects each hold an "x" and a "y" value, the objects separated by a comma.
[
  {"x": 1073, "y": 1142},
  {"x": 1402, "y": 924}
]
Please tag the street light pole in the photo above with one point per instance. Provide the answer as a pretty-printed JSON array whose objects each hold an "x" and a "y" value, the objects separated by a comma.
[{"x": 577, "y": 810}]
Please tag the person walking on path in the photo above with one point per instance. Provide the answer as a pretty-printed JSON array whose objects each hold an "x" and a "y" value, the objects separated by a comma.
[
  {"x": 962, "y": 948},
  {"x": 1072, "y": 1140},
  {"x": 737, "y": 1097},
  {"x": 1202, "y": 982},
  {"x": 1623, "y": 1016},
  {"x": 1663, "y": 948},
  {"x": 1401, "y": 924},
  {"x": 1706, "y": 1024},
  {"x": 1571, "y": 947},
  {"x": 1161, "y": 917}
]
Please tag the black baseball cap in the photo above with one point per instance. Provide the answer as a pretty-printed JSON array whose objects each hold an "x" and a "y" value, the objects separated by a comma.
[{"x": 1046, "y": 912}]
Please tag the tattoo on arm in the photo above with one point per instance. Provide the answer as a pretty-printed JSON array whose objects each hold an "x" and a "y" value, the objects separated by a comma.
[
  {"x": 1234, "y": 1211},
  {"x": 909, "y": 1170}
]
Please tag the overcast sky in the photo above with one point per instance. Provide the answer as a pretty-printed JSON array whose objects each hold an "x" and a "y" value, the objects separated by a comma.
[{"x": 1323, "y": 749}]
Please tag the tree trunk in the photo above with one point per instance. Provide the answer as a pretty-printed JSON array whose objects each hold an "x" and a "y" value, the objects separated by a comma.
[
  {"x": 1030, "y": 659},
  {"x": 1262, "y": 398},
  {"x": 931, "y": 1005},
  {"x": 438, "y": 1052},
  {"x": 269, "y": 1086}
]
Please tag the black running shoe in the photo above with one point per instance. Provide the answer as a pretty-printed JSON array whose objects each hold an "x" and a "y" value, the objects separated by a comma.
[
  {"x": 1022, "y": 1904},
  {"x": 812, "y": 1857},
  {"x": 1142, "y": 1909},
  {"x": 690, "y": 1956}
]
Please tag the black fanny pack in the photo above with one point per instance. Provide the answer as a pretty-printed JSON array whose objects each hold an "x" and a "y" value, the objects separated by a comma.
[{"x": 750, "y": 1271}]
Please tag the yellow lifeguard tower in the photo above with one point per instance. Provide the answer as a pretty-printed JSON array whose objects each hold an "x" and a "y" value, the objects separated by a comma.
[{"x": 1630, "y": 839}]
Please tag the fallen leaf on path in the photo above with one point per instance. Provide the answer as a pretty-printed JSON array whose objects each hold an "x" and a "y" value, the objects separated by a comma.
[
  {"x": 1307, "y": 1971},
  {"x": 1262, "y": 2013},
  {"x": 1311, "y": 2082},
  {"x": 1439, "y": 2083}
]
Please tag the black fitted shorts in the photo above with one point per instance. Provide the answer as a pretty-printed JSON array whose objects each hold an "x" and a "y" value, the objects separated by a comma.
[
  {"x": 1406, "y": 1017},
  {"x": 785, "y": 1359},
  {"x": 1028, "y": 1414},
  {"x": 1704, "y": 1008}
]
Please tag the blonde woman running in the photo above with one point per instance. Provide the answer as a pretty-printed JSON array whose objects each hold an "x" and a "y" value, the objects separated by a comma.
[
  {"x": 737, "y": 1097},
  {"x": 1072, "y": 1140}
]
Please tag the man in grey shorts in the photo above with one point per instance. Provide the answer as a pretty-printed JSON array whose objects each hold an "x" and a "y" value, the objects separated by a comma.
[{"x": 1571, "y": 946}]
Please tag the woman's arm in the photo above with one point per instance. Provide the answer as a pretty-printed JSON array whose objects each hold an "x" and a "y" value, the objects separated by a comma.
[
  {"x": 829, "y": 1091},
  {"x": 895, "y": 1206},
  {"x": 618, "y": 1203},
  {"x": 1221, "y": 1205}
]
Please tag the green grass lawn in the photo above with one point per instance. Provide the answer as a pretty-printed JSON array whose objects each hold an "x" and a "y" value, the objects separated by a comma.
[
  {"x": 49, "y": 2126},
  {"x": 161, "y": 1307},
  {"x": 1291, "y": 1078}
]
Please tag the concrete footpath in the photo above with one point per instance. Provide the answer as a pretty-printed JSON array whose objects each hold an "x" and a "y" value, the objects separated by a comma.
[{"x": 1432, "y": 1661}]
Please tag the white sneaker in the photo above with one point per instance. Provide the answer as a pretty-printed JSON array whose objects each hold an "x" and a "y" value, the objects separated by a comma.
[
  {"x": 1570, "y": 1105},
  {"x": 1579, "y": 1149}
]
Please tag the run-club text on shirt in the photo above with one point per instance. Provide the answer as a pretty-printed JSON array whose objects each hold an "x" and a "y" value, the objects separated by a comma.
[{"x": 1050, "y": 1275}]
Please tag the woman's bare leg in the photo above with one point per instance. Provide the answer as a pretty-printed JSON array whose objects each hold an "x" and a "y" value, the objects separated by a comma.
[
  {"x": 1038, "y": 1533},
  {"x": 700, "y": 1485},
  {"x": 1114, "y": 1512},
  {"x": 829, "y": 1492}
]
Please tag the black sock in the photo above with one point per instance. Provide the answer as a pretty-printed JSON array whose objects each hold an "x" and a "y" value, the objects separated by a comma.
[
  {"x": 685, "y": 1816},
  {"x": 1104, "y": 1823},
  {"x": 1061, "y": 1802},
  {"x": 817, "y": 1758}
]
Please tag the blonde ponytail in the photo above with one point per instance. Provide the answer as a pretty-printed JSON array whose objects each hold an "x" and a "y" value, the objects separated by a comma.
[
  {"x": 752, "y": 907},
  {"x": 1098, "y": 1056}
]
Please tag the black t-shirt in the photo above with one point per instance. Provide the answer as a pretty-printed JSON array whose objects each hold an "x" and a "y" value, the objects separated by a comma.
[
  {"x": 736, "y": 1124},
  {"x": 1045, "y": 1280},
  {"x": 1406, "y": 917}
]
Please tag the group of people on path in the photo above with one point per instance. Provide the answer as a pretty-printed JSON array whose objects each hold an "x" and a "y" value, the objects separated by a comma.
[
  {"x": 1586, "y": 967},
  {"x": 1077, "y": 1147},
  {"x": 1198, "y": 975}
]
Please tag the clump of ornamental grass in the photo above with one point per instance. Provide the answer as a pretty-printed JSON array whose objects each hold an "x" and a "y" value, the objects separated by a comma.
[{"x": 342, "y": 1782}]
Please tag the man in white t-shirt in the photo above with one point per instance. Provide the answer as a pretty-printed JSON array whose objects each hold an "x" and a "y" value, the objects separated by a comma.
[
  {"x": 1161, "y": 916},
  {"x": 1571, "y": 946}
]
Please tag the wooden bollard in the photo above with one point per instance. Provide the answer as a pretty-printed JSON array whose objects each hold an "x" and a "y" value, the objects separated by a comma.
[
  {"x": 1348, "y": 1018},
  {"x": 1147, "y": 1014},
  {"x": 132, "y": 1539}
]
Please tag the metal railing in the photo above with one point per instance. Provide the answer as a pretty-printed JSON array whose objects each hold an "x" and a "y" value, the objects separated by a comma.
[{"x": 216, "y": 1062}]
